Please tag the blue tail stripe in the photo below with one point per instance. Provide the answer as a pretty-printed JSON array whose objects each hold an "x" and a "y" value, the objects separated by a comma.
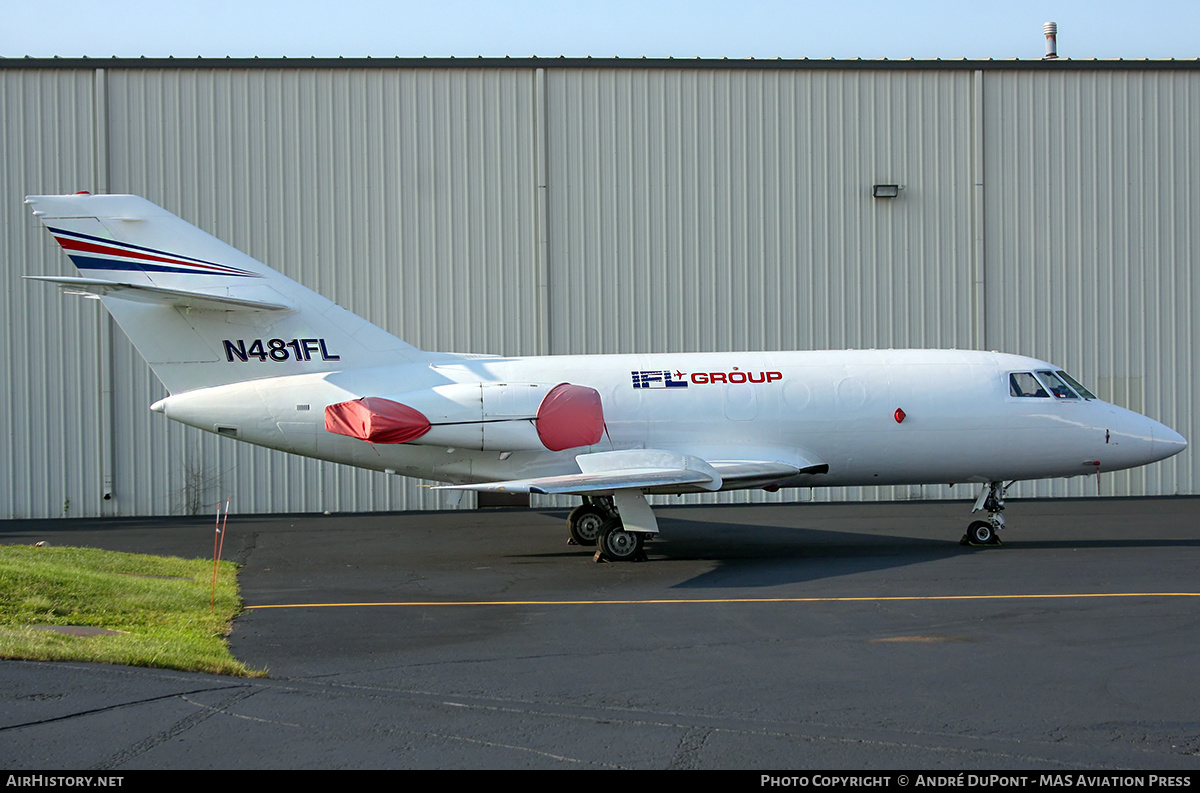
[{"x": 94, "y": 263}]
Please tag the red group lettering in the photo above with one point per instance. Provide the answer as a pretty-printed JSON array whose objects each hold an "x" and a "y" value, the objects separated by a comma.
[{"x": 701, "y": 378}]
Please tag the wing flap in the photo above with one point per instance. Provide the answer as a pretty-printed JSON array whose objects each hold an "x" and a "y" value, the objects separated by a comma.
[
  {"x": 756, "y": 473},
  {"x": 592, "y": 484}
]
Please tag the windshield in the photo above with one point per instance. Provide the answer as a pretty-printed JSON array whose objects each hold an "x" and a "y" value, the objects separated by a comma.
[
  {"x": 1045, "y": 383},
  {"x": 1056, "y": 386},
  {"x": 1024, "y": 384},
  {"x": 1071, "y": 381}
]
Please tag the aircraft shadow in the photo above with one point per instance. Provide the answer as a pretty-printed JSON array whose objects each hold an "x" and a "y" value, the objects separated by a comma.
[{"x": 766, "y": 555}]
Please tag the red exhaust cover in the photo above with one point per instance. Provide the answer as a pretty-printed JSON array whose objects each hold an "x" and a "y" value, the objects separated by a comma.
[
  {"x": 570, "y": 416},
  {"x": 376, "y": 420}
]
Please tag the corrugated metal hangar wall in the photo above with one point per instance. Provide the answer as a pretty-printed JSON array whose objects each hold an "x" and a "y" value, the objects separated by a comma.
[{"x": 563, "y": 206}]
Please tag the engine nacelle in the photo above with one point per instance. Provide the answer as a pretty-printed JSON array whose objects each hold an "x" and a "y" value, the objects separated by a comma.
[{"x": 483, "y": 416}]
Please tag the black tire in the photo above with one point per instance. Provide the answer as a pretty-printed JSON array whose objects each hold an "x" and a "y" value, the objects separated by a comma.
[
  {"x": 585, "y": 523},
  {"x": 981, "y": 533},
  {"x": 618, "y": 545}
]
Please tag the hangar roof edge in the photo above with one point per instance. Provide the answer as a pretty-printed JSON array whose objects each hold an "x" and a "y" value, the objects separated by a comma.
[{"x": 562, "y": 62}]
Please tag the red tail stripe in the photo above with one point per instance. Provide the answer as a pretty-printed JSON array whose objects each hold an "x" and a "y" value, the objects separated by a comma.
[{"x": 91, "y": 247}]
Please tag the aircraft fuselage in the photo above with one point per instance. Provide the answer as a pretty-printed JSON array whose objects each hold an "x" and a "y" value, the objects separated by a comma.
[{"x": 873, "y": 416}]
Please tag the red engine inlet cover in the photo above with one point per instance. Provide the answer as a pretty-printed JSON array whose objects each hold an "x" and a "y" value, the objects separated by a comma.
[
  {"x": 376, "y": 420},
  {"x": 570, "y": 416}
]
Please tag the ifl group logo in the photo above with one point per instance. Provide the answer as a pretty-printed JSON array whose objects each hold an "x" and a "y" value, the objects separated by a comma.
[
  {"x": 659, "y": 379},
  {"x": 665, "y": 378}
]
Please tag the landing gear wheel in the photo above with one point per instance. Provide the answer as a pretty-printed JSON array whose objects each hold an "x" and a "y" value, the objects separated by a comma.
[
  {"x": 981, "y": 533},
  {"x": 986, "y": 532},
  {"x": 584, "y": 523},
  {"x": 618, "y": 545}
]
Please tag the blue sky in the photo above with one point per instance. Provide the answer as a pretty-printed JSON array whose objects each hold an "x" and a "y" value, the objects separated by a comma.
[{"x": 706, "y": 28}]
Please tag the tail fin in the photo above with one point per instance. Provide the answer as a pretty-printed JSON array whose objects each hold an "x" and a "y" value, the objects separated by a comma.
[{"x": 201, "y": 312}]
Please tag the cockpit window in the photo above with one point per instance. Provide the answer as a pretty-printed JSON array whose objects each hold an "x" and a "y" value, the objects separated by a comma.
[
  {"x": 1056, "y": 386},
  {"x": 1079, "y": 389},
  {"x": 1024, "y": 384}
]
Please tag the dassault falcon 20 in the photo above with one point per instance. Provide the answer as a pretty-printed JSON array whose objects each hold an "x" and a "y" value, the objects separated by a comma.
[{"x": 248, "y": 353}]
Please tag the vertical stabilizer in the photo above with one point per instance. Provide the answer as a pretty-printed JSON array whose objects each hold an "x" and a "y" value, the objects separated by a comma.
[{"x": 201, "y": 312}]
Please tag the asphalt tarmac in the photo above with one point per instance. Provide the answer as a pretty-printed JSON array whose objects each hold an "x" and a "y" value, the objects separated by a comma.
[{"x": 760, "y": 637}]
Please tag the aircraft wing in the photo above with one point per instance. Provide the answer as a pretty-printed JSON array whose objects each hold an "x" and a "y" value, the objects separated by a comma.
[{"x": 653, "y": 471}]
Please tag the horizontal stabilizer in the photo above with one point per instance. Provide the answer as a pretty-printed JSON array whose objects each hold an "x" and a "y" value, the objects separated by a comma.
[{"x": 178, "y": 298}]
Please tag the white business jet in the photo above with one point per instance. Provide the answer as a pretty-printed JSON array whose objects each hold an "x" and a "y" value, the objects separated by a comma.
[{"x": 250, "y": 354}]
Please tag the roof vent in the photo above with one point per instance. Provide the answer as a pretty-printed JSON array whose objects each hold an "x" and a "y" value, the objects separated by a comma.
[{"x": 1051, "y": 31}]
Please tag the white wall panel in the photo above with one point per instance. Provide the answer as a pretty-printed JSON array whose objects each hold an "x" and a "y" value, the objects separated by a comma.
[
  {"x": 49, "y": 447},
  {"x": 700, "y": 210}
]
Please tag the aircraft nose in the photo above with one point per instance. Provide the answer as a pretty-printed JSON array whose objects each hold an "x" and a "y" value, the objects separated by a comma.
[
  {"x": 1167, "y": 442},
  {"x": 1138, "y": 440}
]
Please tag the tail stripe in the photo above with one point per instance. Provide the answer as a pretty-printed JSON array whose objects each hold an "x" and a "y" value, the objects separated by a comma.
[
  {"x": 92, "y": 263},
  {"x": 74, "y": 241}
]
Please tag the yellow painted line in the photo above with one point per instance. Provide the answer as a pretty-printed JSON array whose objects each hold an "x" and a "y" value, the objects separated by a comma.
[
  {"x": 680, "y": 601},
  {"x": 924, "y": 639}
]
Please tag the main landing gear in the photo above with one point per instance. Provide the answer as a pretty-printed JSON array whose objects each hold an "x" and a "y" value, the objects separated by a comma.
[
  {"x": 616, "y": 544},
  {"x": 586, "y": 520},
  {"x": 985, "y": 532},
  {"x": 597, "y": 523}
]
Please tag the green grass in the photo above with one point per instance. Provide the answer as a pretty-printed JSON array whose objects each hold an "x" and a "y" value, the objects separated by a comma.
[{"x": 160, "y": 603}]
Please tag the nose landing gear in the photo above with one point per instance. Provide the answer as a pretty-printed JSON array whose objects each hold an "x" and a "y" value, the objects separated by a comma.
[{"x": 985, "y": 532}]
